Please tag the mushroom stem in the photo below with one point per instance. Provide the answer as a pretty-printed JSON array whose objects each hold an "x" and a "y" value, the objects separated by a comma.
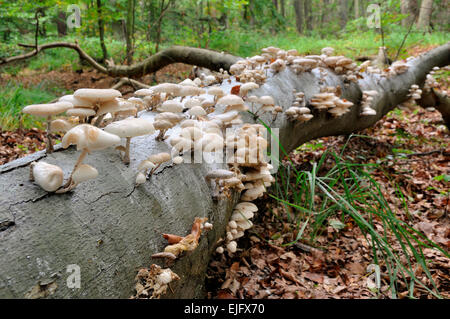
[
  {"x": 153, "y": 170},
  {"x": 126, "y": 157},
  {"x": 49, "y": 147},
  {"x": 78, "y": 163},
  {"x": 67, "y": 188},
  {"x": 31, "y": 171},
  {"x": 99, "y": 120},
  {"x": 160, "y": 136}
]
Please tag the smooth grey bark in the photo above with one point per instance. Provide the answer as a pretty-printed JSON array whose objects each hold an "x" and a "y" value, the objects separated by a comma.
[
  {"x": 110, "y": 229},
  {"x": 408, "y": 7},
  {"x": 298, "y": 9},
  {"x": 426, "y": 8}
]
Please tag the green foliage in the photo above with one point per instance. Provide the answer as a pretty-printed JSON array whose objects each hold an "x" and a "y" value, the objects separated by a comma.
[{"x": 13, "y": 98}]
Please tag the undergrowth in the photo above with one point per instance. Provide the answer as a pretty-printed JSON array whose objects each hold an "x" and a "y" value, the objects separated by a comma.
[{"x": 345, "y": 193}]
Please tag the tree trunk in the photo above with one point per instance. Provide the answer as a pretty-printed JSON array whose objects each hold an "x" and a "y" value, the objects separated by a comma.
[
  {"x": 357, "y": 9},
  {"x": 408, "y": 7},
  {"x": 443, "y": 15},
  {"x": 343, "y": 13},
  {"x": 298, "y": 8},
  {"x": 109, "y": 228},
  {"x": 426, "y": 8},
  {"x": 308, "y": 15},
  {"x": 129, "y": 31},
  {"x": 283, "y": 8},
  {"x": 61, "y": 24},
  {"x": 101, "y": 30}
]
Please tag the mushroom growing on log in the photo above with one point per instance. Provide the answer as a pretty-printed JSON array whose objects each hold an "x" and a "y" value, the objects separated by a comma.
[{"x": 129, "y": 220}]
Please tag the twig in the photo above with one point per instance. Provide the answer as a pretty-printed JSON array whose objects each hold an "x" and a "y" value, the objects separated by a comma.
[{"x": 406, "y": 36}]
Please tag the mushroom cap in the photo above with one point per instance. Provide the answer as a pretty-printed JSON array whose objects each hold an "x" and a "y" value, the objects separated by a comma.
[
  {"x": 162, "y": 125},
  {"x": 371, "y": 93},
  {"x": 86, "y": 136},
  {"x": 75, "y": 102},
  {"x": 215, "y": 90},
  {"x": 189, "y": 122},
  {"x": 143, "y": 92},
  {"x": 266, "y": 100},
  {"x": 219, "y": 174},
  {"x": 146, "y": 165},
  {"x": 171, "y": 88},
  {"x": 97, "y": 95},
  {"x": 159, "y": 158},
  {"x": 210, "y": 142},
  {"x": 244, "y": 224},
  {"x": 111, "y": 106},
  {"x": 226, "y": 117},
  {"x": 47, "y": 109},
  {"x": 174, "y": 118},
  {"x": 248, "y": 86},
  {"x": 61, "y": 125},
  {"x": 83, "y": 173},
  {"x": 236, "y": 107},
  {"x": 305, "y": 62},
  {"x": 368, "y": 111},
  {"x": 49, "y": 177},
  {"x": 246, "y": 206},
  {"x": 187, "y": 82},
  {"x": 190, "y": 90},
  {"x": 344, "y": 61},
  {"x": 232, "y": 246},
  {"x": 230, "y": 99},
  {"x": 81, "y": 112},
  {"x": 171, "y": 106},
  {"x": 140, "y": 178},
  {"x": 197, "y": 111},
  {"x": 177, "y": 160},
  {"x": 191, "y": 132},
  {"x": 343, "y": 103},
  {"x": 192, "y": 102},
  {"x": 207, "y": 103},
  {"x": 130, "y": 127},
  {"x": 241, "y": 215}
]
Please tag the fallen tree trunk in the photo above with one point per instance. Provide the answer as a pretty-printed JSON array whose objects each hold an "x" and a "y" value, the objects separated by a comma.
[
  {"x": 210, "y": 59},
  {"x": 109, "y": 228}
]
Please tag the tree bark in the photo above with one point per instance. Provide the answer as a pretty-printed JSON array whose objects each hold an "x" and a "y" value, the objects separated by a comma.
[
  {"x": 129, "y": 31},
  {"x": 408, "y": 7},
  {"x": 109, "y": 228},
  {"x": 298, "y": 8},
  {"x": 308, "y": 15},
  {"x": 101, "y": 30},
  {"x": 61, "y": 25},
  {"x": 343, "y": 13},
  {"x": 426, "y": 8}
]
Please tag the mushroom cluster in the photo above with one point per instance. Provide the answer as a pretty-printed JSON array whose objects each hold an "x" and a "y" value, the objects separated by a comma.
[
  {"x": 367, "y": 100},
  {"x": 153, "y": 282},
  {"x": 298, "y": 111},
  {"x": 330, "y": 102},
  {"x": 398, "y": 67},
  {"x": 415, "y": 93}
]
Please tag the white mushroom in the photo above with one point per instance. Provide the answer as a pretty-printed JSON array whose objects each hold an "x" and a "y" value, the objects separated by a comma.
[
  {"x": 47, "y": 111},
  {"x": 49, "y": 177},
  {"x": 128, "y": 128}
]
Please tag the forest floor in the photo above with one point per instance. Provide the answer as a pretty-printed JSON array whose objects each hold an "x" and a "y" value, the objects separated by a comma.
[
  {"x": 272, "y": 264},
  {"x": 410, "y": 147}
]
